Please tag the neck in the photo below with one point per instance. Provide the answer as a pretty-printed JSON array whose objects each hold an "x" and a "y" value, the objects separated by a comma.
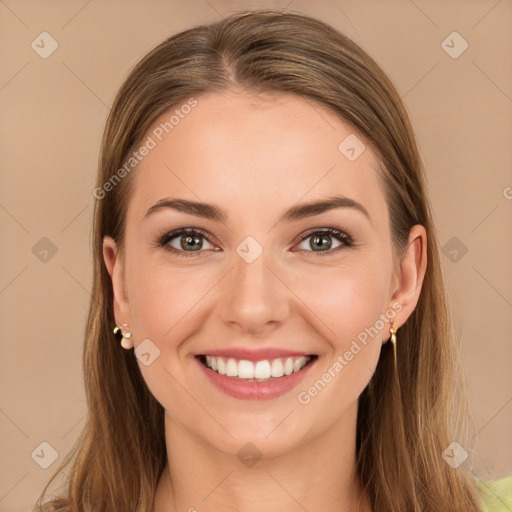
[{"x": 319, "y": 475}]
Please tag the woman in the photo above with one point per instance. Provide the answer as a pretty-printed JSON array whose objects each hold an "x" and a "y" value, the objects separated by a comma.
[{"x": 265, "y": 252}]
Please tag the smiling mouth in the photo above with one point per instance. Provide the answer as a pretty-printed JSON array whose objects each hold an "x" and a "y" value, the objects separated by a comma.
[{"x": 257, "y": 371}]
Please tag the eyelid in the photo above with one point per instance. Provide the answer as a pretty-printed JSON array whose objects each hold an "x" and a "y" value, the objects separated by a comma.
[{"x": 326, "y": 229}]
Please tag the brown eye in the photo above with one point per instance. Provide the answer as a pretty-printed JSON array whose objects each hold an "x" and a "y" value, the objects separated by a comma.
[
  {"x": 184, "y": 242},
  {"x": 321, "y": 241}
]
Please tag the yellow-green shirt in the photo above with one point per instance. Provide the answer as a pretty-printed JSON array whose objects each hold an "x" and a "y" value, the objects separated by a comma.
[{"x": 496, "y": 495}]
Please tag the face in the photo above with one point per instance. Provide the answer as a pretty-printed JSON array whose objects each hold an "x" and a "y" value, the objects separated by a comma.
[{"x": 241, "y": 279}]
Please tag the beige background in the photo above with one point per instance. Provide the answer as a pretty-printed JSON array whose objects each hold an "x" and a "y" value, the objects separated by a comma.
[{"x": 53, "y": 114}]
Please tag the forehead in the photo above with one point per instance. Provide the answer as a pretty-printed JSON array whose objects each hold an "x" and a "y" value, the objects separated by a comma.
[{"x": 251, "y": 152}]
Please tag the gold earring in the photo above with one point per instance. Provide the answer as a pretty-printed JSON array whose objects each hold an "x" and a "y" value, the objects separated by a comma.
[
  {"x": 126, "y": 338},
  {"x": 393, "y": 338}
]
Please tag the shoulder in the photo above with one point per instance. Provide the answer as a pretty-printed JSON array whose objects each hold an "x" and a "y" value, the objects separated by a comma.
[{"x": 496, "y": 496}]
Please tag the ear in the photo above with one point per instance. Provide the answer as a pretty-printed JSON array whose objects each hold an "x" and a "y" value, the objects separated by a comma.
[
  {"x": 115, "y": 267},
  {"x": 410, "y": 276}
]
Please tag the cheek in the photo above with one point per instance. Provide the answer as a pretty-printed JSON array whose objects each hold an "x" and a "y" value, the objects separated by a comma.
[
  {"x": 166, "y": 304},
  {"x": 346, "y": 299},
  {"x": 165, "y": 299},
  {"x": 349, "y": 303}
]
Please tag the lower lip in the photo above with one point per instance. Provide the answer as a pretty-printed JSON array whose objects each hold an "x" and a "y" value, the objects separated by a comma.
[{"x": 266, "y": 390}]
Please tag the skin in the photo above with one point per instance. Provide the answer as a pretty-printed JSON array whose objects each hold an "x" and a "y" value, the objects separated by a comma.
[{"x": 256, "y": 156}]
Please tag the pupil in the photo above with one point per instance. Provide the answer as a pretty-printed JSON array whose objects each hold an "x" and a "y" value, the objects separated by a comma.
[
  {"x": 318, "y": 239},
  {"x": 188, "y": 241}
]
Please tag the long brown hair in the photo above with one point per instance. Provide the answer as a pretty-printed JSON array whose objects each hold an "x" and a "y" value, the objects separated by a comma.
[{"x": 408, "y": 413}]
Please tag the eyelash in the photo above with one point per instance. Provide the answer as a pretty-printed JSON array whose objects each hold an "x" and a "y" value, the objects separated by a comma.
[{"x": 164, "y": 239}]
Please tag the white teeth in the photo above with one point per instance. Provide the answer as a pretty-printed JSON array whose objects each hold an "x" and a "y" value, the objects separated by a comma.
[
  {"x": 299, "y": 363},
  {"x": 221, "y": 365},
  {"x": 260, "y": 370},
  {"x": 245, "y": 369},
  {"x": 277, "y": 369},
  {"x": 232, "y": 368}
]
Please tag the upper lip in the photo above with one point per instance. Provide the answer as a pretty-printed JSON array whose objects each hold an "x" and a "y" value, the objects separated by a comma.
[{"x": 254, "y": 354}]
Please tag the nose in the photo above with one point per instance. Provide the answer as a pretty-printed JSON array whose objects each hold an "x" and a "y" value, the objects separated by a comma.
[{"x": 254, "y": 299}]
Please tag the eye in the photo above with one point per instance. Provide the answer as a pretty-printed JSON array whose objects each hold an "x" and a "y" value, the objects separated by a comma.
[
  {"x": 190, "y": 241},
  {"x": 184, "y": 242},
  {"x": 320, "y": 241}
]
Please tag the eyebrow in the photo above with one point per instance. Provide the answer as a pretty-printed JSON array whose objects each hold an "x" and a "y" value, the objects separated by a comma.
[{"x": 297, "y": 212}]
